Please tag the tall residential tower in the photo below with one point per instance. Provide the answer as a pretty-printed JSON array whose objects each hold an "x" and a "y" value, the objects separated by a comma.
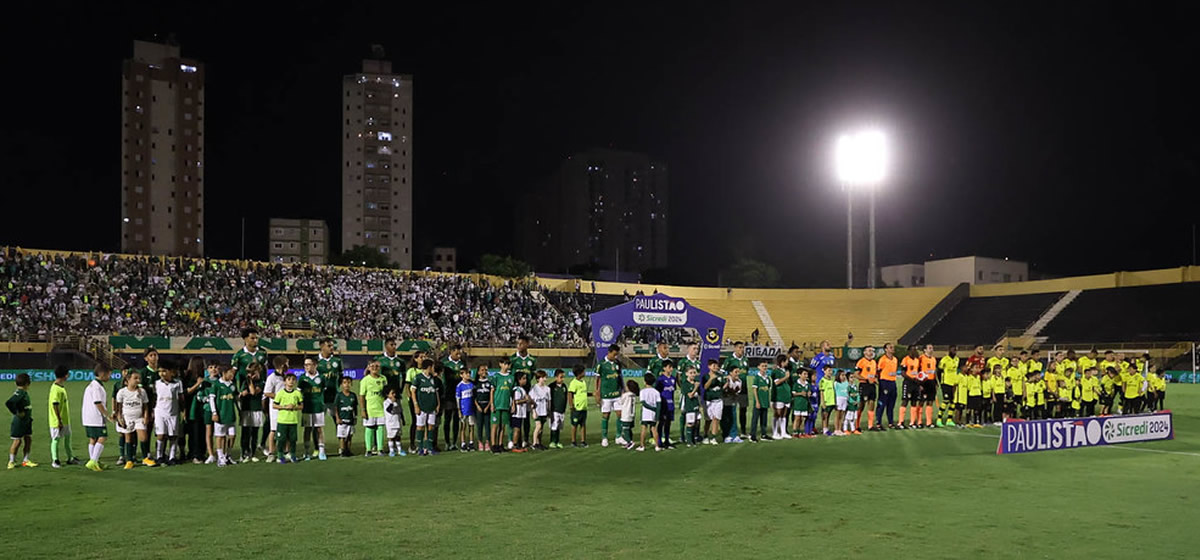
[{"x": 162, "y": 152}]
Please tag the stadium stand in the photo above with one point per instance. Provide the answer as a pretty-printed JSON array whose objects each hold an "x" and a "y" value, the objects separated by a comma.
[
  {"x": 1160, "y": 313},
  {"x": 985, "y": 320},
  {"x": 874, "y": 316}
]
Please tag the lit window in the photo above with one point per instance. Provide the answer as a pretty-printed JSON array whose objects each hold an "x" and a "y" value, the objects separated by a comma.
[
  {"x": 370, "y": 164},
  {"x": 186, "y": 116},
  {"x": 385, "y": 150},
  {"x": 186, "y": 68},
  {"x": 385, "y": 136},
  {"x": 383, "y": 249},
  {"x": 138, "y": 108},
  {"x": 395, "y": 82}
]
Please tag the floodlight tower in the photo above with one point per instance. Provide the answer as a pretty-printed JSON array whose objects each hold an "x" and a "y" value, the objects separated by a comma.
[{"x": 861, "y": 160}]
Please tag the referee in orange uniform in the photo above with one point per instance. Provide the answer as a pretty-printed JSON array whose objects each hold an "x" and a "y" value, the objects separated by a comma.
[
  {"x": 886, "y": 366},
  {"x": 867, "y": 381}
]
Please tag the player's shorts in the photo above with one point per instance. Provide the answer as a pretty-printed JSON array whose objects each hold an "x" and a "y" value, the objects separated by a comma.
[
  {"x": 579, "y": 417},
  {"x": 975, "y": 403},
  {"x": 132, "y": 425},
  {"x": 517, "y": 421},
  {"x": 911, "y": 391},
  {"x": 392, "y": 433},
  {"x": 60, "y": 431},
  {"x": 274, "y": 416},
  {"x": 948, "y": 393},
  {"x": 166, "y": 425},
  {"x": 829, "y": 409},
  {"x": 95, "y": 432},
  {"x": 608, "y": 405},
  {"x": 929, "y": 389},
  {"x": 690, "y": 417},
  {"x": 426, "y": 419},
  {"x": 372, "y": 422},
  {"x": 345, "y": 430},
  {"x": 842, "y": 403},
  {"x": 714, "y": 409},
  {"x": 312, "y": 419},
  {"x": 250, "y": 419},
  {"x": 224, "y": 430},
  {"x": 649, "y": 417},
  {"x": 499, "y": 417},
  {"x": 541, "y": 419},
  {"x": 469, "y": 419},
  {"x": 21, "y": 427},
  {"x": 780, "y": 405},
  {"x": 1107, "y": 401},
  {"x": 866, "y": 391}
]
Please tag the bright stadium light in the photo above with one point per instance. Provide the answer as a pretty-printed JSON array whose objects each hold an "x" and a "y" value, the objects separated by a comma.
[{"x": 860, "y": 160}]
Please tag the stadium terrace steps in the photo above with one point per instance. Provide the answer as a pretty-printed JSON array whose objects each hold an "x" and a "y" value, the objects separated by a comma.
[
  {"x": 874, "y": 316},
  {"x": 740, "y": 317},
  {"x": 1036, "y": 328},
  {"x": 1158, "y": 313},
  {"x": 765, "y": 317},
  {"x": 985, "y": 320}
]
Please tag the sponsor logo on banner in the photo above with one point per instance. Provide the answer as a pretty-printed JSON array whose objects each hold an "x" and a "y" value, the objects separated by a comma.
[
  {"x": 661, "y": 311},
  {"x": 1023, "y": 436},
  {"x": 763, "y": 352}
]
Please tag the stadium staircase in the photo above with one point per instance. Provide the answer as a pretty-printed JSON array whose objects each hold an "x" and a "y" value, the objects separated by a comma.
[
  {"x": 741, "y": 318},
  {"x": 91, "y": 348},
  {"x": 1036, "y": 328},
  {"x": 541, "y": 298},
  {"x": 935, "y": 315},
  {"x": 874, "y": 316},
  {"x": 768, "y": 323}
]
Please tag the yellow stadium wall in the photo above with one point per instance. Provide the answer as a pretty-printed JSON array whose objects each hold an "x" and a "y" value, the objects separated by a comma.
[{"x": 1099, "y": 281}]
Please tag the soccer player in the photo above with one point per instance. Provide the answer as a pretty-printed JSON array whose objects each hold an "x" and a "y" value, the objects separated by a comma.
[
  {"x": 251, "y": 405},
  {"x": 21, "y": 429},
  {"x": 502, "y": 390},
  {"x": 1091, "y": 360},
  {"x": 1089, "y": 391},
  {"x": 393, "y": 415},
  {"x": 540, "y": 395},
  {"x": 289, "y": 402},
  {"x": 997, "y": 358},
  {"x": 523, "y": 362},
  {"x": 148, "y": 375},
  {"x": 312, "y": 414},
  {"x": 346, "y": 403},
  {"x": 391, "y": 365},
  {"x": 410, "y": 375},
  {"x": 331, "y": 368},
  {"x": 558, "y": 408},
  {"x": 760, "y": 390},
  {"x": 520, "y": 414},
  {"x": 910, "y": 395},
  {"x": 887, "y": 366},
  {"x": 133, "y": 412},
  {"x": 427, "y": 401},
  {"x": 689, "y": 388},
  {"x": 975, "y": 395},
  {"x": 1131, "y": 381},
  {"x": 202, "y": 409},
  {"x": 483, "y": 407},
  {"x": 781, "y": 396},
  {"x": 608, "y": 390},
  {"x": 800, "y": 408},
  {"x": 989, "y": 387},
  {"x": 370, "y": 396},
  {"x": 60, "y": 418},
  {"x": 948, "y": 366},
  {"x": 868, "y": 382},
  {"x": 713, "y": 388},
  {"x": 249, "y": 354},
  {"x": 691, "y": 360},
  {"x": 850, "y": 426},
  {"x": 464, "y": 395},
  {"x": 927, "y": 394},
  {"x": 736, "y": 364},
  {"x": 1016, "y": 375},
  {"x": 95, "y": 416},
  {"x": 578, "y": 391},
  {"x": 223, "y": 402},
  {"x": 626, "y": 406},
  {"x": 665, "y": 385},
  {"x": 452, "y": 365},
  {"x": 272, "y": 385},
  {"x": 168, "y": 391},
  {"x": 650, "y": 398}
]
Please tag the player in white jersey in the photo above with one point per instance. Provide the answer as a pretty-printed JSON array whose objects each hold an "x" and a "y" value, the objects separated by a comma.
[
  {"x": 133, "y": 412},
  {"x": 540, "y": 394},
  {"x": 95, "y": 416},
  {"x": 168, "y": 391}
]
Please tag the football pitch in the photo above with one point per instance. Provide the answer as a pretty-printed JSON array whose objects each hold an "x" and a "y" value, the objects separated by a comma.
[{"x": 900, "y": 494}]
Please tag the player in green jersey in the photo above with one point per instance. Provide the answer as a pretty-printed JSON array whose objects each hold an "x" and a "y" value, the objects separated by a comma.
[
  {"x": 689, "y": 388},
  {"x": 223, "y": 401},
  {"x": 149, "y": 375},
  {"x": 523, "y": 362},
  {"x": 249, "y": 354},
  {"x": 608, "y": 390},
  {"x": 502, "y": 388},
  {"x": 391, "y": 364},
  {"x": 22, "y": 422},
  {"x": 690, "y": 360},
  {"x": 427, "y": 403},
  {"x": 346, "y": 403},
  {"x": 451, "y": 366},
  {"x": 312, "y": 385},
  {"x": 410, "y": 375},
  {"x": 714, "y": 384},
  {"x": 781, "y": 396},
  {"x": 761, "y": 391},
  {"x": 370, "y": 395},
  {"x": 330, "y": 368}
]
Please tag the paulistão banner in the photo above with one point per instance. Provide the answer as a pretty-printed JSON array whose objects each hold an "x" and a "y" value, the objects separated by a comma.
[{"x": 1024, "y": 436}]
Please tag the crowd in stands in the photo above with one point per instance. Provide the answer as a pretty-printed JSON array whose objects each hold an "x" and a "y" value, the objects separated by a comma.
[{"x": 43, "y": 295}]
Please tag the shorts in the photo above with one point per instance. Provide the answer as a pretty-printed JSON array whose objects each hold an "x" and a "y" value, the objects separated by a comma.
[
  {"x": 61, "y": 431},
  {"x": 800, "y": 411},
  {"x": 516, "y": 421},
  {"x": 646, "y": 422},
  {"x": 975, "y": 403},
  {"x": 21, "y": 428},
  {"x": 608, "y": 405},
  {"x": 829, "y": 409},
  {"x": 714, "y": 409},
  {"x": 690, "y": 417},
  {"x": 469, "y": 419},
  {"x": 929, "y": 389},
  {"x": 426, "y": 419},
  {"x": 372, "y": 422},
  {"x": 867, "y": 391},
  {"x": 392, "y": 433},
  {"x": 541, "y": 419},
  {"x": 95, "y": 432},
  {"x": 556, "y": 421},
  {"x": 948, "y": 393},
  {"x": 780, "y": 405},
  {"x": 1107, "y": 401},
  {"x": 345, "y": 430},
  {"x": 165, "y": 425},
  {"x": 911, "y": 391},
  {"x": 499, "y": 417},
  {"x": 649, "y": 416},
  {"x": 312, "y": 419},
  {"x": 224, "y": 430},
  {"x": 132, "y": 425},
  {"x": 250, "y": 419},
  {"x": 579, "y": 417},
  {"x": 274, "y": 416},
  {"x": 842, "y": 403}
]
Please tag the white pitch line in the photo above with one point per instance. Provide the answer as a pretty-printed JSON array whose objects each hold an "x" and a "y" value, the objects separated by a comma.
[{"x": 1127, "y": 447}]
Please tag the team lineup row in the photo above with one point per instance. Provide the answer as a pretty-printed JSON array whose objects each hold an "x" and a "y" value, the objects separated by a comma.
[{"x": 495, "y": 412}]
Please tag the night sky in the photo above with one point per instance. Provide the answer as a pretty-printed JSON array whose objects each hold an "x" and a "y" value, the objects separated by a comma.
[{"x": 1063, "y": 135}]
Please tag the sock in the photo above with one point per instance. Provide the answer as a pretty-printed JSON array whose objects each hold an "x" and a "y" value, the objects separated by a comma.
[
  {"x": 158, "y": 449},
  {"x": 380, "y": 435},
  {"x": 391, "y": 446},
  {"x": 221, "y": 454},
  {"x": 914, "y": 414},
  {"x": 66, "y": 439},
  {"x": 97, "y": 451},
  {"x": 54, "y": 449},
  {"x": 928, "y": 414},
  {"x": 370, "y": 439},
  {"x": 902, "y": 409},
  {"x": 145, "y": 448},
  {"x": 12, "y": 457},
  {"x": 604, "y": 426},
  {"x": 91, "y": 451},
  {"x": 554, "y": 436},
  {"x": 174, "y": 449},
  {"x": 941, "y": 411},
  {"x": 308, "y": 445},
  {"x": 321, "y": 447},
  {"x": 870, "y": 418}
]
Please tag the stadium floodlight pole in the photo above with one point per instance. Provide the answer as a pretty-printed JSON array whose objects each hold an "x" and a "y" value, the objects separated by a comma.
[
  {"x": 849, "y": 238},
  {"x": 861, "y": 161}
]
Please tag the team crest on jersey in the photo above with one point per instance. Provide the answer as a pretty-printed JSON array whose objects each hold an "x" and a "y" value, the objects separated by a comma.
[{"x": 712, "y": 337}]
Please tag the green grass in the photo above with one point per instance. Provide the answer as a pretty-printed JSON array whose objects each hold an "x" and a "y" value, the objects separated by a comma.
[{"x": 928, "y": 494}]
